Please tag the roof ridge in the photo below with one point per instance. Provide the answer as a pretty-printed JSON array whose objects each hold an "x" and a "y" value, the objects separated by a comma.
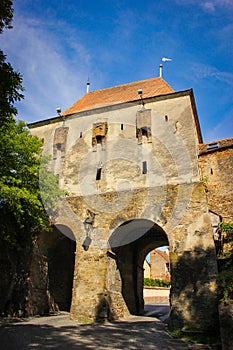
[
  {"x": 127, "y": 84},
  {"x": 154, "y": 86}
]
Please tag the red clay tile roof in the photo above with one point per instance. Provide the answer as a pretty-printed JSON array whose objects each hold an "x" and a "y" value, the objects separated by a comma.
[{"x": 119, "y": 94}]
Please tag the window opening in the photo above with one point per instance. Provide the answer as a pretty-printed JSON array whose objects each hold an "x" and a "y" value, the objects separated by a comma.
[
  {"x": 99, "y": 139},
  {"x": 213, "y": 145},
  {"x": 98, "y": 174},
  {"x": 81, "y": 134},
  {"x": 99, "y": 133},
  {"x": 143, "y": 128},
  {"x": 167, "y": 267},
  {"x": 166, "y": 118},
  {"x": 144, "y": 167},
  {"x": 145, "y": 131},
  {"x": 142, "y": 133},
  {"x": 59, "y": 146},
  {"x": 59, "y": 142},
  {"x": 122, "y": 126}
]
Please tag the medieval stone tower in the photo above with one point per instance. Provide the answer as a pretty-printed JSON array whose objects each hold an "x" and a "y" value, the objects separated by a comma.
[{"x": 128, "y": 158}]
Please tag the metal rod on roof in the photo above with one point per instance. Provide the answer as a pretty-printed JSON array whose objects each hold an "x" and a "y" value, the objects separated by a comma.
[
  {"x": 88, "y": 86},
  {"x": 164, "y": 59},
  {"x": 160, "y": 70}
]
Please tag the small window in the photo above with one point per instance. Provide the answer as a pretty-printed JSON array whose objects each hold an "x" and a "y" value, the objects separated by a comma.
[
  {"x": 213, "y": 145},
  {"x": 59, "y": 146},
  {"x": 99, "y": 139},
  {"x": 145, "y": 131},
  {"x": 99, "y": 133},
  {"x": 143, "y": 126},
  {"x": 144, "y": 167},
  {"x": 166, "y": 118},
  {"x": 122, "y": 126},
  {"x": 81, "y": 134},
  {"x": 98, "y": 174}
]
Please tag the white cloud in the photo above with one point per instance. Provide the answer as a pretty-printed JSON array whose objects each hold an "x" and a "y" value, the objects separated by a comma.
[
  {"x": 214, "y": 5},
  {"x": 210, "y": 6},
  {"x": 202, "y": 71},
  {"x": 51, "y": 80}
]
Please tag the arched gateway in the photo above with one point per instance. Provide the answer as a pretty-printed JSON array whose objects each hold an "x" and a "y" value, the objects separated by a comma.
[
  {"x": 130, "y": 165},
  {"x": 131, "y": 242}
]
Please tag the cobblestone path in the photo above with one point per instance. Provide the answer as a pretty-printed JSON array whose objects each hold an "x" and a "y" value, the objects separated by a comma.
[{"x": 59, "y": 332}]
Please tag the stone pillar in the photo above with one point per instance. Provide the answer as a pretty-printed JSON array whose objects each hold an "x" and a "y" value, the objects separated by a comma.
[
  {"x": 194, "y": 272},
  {"x": 96, "y": 287},
  {"x": 193, "y": 292}
]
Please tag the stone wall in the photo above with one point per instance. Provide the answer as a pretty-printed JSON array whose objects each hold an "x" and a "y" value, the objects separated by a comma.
[
  {"x": 50, "y": 276},
  {"x": 156, "y": 295},
  {"x": 216, "y": 167},
  {"x": 14, "y": 271},
  {"x": 159, "y": 265}
]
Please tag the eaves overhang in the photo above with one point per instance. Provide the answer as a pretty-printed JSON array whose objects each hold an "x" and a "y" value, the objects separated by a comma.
[{"x": 122, "y": 105}]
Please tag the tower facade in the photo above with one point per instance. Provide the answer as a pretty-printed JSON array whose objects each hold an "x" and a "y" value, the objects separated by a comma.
[{"x": 128, "y": 158}]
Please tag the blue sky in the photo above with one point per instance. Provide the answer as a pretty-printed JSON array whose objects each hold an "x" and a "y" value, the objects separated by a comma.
[{"x": 57, "y": 45}]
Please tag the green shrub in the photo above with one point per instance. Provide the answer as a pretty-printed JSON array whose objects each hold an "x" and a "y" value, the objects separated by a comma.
[
  {"x": 225, "y": 262},
  {"x": 155, "y": 282}
]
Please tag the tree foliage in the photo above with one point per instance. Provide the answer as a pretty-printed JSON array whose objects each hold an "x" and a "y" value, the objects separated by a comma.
[
  {"x": 11, "y": 90},
  {"x": 10, "y": 81},
  {"x": 225, "y": 278},
  {"x": 226, "y": 228},
  {"x": 20, "y": 198},
  {"x": 24, "y": 181},
  {"x": 6, "y": 14},
  {"x": 21, "y": 204}
]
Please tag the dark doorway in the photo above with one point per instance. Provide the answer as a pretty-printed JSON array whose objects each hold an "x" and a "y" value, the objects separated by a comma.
[{"x": 61, "y": 259}]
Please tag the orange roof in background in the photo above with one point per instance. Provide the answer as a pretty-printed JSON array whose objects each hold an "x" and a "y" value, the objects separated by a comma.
[{"x": 119, "y": 94}]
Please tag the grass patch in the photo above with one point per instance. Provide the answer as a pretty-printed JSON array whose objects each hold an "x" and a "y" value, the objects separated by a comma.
[{"x": 193, "y": 334}]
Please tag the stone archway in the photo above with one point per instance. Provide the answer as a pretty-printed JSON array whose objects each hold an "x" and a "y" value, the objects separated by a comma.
[
  {"x": 61, "y": 270},
  {"x": 141, "y": 236},
  {"x": 51, "y": 272}
]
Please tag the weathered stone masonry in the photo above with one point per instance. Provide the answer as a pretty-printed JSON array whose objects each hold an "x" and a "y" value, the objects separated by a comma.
[
  {"x": 136, "y": 169},
  {"x": 216, "y": 164}
]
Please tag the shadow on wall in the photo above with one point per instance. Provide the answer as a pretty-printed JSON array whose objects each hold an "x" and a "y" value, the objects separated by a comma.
[
  {"x": 103, "y": 309},
  {"x": 194, "y": 302},
  {"x": 58, "y": 251},
  {"x": 14, "y": 268}
]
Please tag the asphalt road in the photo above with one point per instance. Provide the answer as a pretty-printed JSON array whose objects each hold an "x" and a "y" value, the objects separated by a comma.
[
  {"x": 59, "y": 332},
  {"x": 160, "y": 311}
]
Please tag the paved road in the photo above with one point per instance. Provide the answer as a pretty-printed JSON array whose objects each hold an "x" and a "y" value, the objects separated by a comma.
[
  {"x": 160, "y": 311},
  {"x": 59, "y": 332}
]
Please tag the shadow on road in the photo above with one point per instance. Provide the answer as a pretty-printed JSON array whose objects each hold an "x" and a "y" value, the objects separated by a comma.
[
  {"x": 160, "y": 311},
  {"x": 59, "y": 332}
]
